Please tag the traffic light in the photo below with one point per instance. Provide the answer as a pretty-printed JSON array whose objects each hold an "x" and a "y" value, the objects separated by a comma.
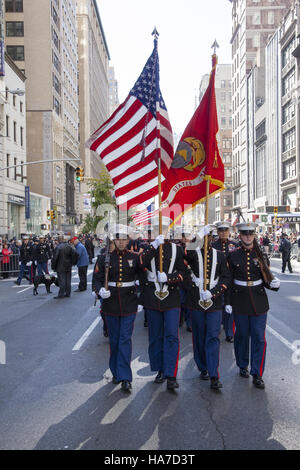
[
  {"x": 52, "y": 213},
  {"x": 48, "y": 214},
  {"x": 79, "y": 173}
]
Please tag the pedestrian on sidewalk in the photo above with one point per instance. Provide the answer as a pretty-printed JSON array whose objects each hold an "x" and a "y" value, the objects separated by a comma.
[
  {"x": 82, "y": 264},
  {"x": 285, "y": 249}
]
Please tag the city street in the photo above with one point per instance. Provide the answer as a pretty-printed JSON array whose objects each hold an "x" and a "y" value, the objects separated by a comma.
[{"x": 56, "y": 390}]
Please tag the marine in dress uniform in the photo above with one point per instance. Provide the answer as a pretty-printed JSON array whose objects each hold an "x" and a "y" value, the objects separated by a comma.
[
  {"x": 119, "y": 303},
  {"x": 183, "y": 238},
  {"x": 161, "y": 298},
  {"x": 206, "y": 323},
  {"x": 43, "y": 254},
  {"x": 224, "y": 244},
  {"x": 250, "y": 304},
  {"x": 26, "y": 260}
]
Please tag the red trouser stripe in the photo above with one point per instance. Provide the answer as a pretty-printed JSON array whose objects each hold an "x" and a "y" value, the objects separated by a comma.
[{"x": 263, "y": 357}]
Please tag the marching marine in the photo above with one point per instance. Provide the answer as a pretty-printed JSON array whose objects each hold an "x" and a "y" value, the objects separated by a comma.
[
  {"x": 249, "y": 304},
  {"x": 119, "y": 302},
  {"x": 205, "y": 305},
  {"x": 161, "y": 298},
  {"x": 226, "y": 246}
]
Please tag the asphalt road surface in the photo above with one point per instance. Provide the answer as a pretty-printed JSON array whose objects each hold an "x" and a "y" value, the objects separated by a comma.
[{"x": 56, "y": 390}]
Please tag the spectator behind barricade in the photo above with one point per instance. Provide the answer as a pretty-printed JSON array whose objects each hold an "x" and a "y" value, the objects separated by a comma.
[
  {"x": 266, "y": 243},
  {"x": 5, "y": 259}
]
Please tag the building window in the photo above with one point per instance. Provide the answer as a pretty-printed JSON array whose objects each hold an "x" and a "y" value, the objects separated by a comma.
[
  {"x": 7, "y": 126},
  {"x": 226, "y": 144},
  {"x": 14, "y": 28},
  {"x": 260, "y": 172},
  {"x": 56, "y": 84},
  {"x": 288, "y": 82},
  {"x": 288, "y": 112},
  {"x": 16, "y": 52},
  {"x": 223, "y": 122},
  {"x": 223, "y": 83},
  {"x": 56, "y": 62},
  {"x": 287, "y": 52},
  {"x": 260, "y": 130},
  {"x": 289, "y": 169},
  {"x": 57, "y": 195},
  {"x": 289, "y": 140},
  {"x": 21, "y": 136},
  {"x": 15, "y": 131},
  {"x": 13, "y": 6},
  {"x": 57, "y": 174},
  {"x": 7, "y": 164},
  {"x": 15, "y": 169},
  {"x": 21, "y": 106},
  {"x": 56, "y": 106}
]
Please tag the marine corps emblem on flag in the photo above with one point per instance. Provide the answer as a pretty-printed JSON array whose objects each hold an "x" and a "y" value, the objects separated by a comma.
[{"x": 190, "y": 153}]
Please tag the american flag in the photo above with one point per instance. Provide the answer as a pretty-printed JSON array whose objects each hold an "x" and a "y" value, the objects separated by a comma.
[
  {"x": 129, "y": 141},
  {"x": 141, "y": 217}
]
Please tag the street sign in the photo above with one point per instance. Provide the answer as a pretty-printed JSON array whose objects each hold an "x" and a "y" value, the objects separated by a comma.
[{"x": 27, "y": 202}]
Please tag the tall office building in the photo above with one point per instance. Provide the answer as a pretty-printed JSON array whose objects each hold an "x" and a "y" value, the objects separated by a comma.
[
  {"x": 41, "y": 37},
  {"x": 93, "y": 58},
  {"x": 113, "y": 91},
  {"x": 253, "y": 24}
]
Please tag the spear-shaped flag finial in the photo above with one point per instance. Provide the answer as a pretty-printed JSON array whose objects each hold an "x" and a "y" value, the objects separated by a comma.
[
  {"x": 214, "y": 46},
  {"x": 155, "y": 33}
]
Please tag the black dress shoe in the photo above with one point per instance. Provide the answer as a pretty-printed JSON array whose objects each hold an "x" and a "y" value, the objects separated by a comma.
[
  {"x": 58, "y": 297},
  {"x": 126, "y": 386},
  {"x": 67, "y": 295},
  {"x": 78, "y": 290},
  {"x": 145, "y": 324},
  {"x": 105, "y": 334},
  {"x": 244, "y": 373},
  {"x": 172, "y": 383},
  {"x": 189, "y": 329},
  {"x": 204, "y": 375},
  {"x": 18, "y": 283},
  {"x": 115, "y": 381},
  {"x": 159, "y": 379},
  {"x": 258, "y": 381},
  {"x": 215, "y": 384},
  {"x": 229, "y": 339}
]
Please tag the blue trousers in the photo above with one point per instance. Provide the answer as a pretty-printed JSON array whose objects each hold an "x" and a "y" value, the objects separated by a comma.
[
  {"x": 250, "y": 329},
  {"x": 164, "y": 341},
  {"x": 23, "y": 270},
  {"x": 206, "y": 343},
  {"x": 42, "y": 267},
  {"x": 120, "y": 331}
]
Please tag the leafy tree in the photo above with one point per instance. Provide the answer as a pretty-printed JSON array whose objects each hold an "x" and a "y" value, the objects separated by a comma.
[{"x": 101, "y": 191}]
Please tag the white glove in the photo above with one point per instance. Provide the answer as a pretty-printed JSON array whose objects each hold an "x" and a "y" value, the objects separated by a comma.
[
  {"x": 204, "y": 231},
  {"x": 162, "y": 277},
  {"x": 29, "y": 263},
  {"x": 205, "y": 295},
  {"x": 140, "y": 309},
  {"x": 228, "y": 309},
  {"x": 151, "y": 276},
  {"x": 104, "y": 294},
  {"x": 159, "y": 240},
  {"x": 275, "y": 283},
  {"x": 196, "y": 280}
]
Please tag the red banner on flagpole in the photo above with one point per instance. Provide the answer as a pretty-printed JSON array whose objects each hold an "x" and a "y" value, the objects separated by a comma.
[{"x": 196, "y": 160}]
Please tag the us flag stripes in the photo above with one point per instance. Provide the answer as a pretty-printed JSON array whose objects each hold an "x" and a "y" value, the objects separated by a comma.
[
  {"x": 143, "y": 216},
  {"x": 129, "y": 141}
]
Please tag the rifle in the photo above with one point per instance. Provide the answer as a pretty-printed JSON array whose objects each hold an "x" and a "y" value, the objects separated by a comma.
[{"x": 264, "y": 267}]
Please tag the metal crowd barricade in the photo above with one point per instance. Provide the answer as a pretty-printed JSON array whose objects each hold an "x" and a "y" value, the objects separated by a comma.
[
  {"x": 11, "y": 267},
  {"x": 294, "y": 251}
]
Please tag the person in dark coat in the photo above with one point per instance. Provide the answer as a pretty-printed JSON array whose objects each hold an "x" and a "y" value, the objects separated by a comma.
[
  {"x": 64, "y": 258},
  {"x": 285, "y": 249},
  {"x": 119, "y": 303},
  {"x": 249, "y": 305},
  {"x": 42, "y": 255},
  {"x": 206, "y": 320},
  {"x": 89, "y": 248},
  {"x": 26, "y": 260}
]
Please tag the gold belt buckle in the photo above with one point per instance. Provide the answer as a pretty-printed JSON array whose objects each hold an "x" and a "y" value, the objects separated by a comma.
[
  {"x": 119, "y": 284},
  {"x": 250, "y": 283}
]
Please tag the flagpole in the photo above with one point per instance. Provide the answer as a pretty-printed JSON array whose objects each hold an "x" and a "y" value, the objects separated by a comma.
[{"x": 206, "y": 236}]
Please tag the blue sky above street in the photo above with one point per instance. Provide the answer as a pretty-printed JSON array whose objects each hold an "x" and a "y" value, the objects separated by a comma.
[{"x": 187, "y": 31}]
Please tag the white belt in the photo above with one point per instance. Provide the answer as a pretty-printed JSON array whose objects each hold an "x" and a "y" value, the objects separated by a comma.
[
  {"x": 248, "y": 283},
  {"x": 121, "y": 284}
]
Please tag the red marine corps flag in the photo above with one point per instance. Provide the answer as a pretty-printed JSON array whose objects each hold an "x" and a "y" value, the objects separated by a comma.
[{"x": 197, "y": 160}]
